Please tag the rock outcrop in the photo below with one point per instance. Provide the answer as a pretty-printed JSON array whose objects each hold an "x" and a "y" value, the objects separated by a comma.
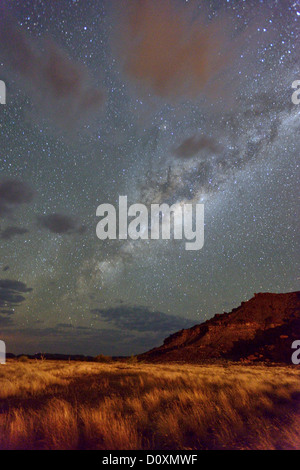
[{"x": 262, "y": 329}]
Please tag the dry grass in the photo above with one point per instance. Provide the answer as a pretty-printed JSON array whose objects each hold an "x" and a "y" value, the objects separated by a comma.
[{"x": 48, "y": 405}]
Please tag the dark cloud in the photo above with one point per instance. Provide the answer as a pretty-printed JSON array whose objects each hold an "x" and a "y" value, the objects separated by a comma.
[
  {"x": 60, "y": 224},
  {"x": 194, "y": 145},
  {"x": 172, "y": 50},
  {"x": 89, "y": 341},
  {"x": 64, "y": 325},
  {"x": 60, "y": 85},
  {"x": 13, "y": 193},
  {"x": 142, "y": 319},
  {"x": 7, "y": 312},
  {"x": 15, "y": 285},
  {"x": 12, "y": 293},
  {"x": 11, "y": 232},
  {"x": 66, "y": 332}
]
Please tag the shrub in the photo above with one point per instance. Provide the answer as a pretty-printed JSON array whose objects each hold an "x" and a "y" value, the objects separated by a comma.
[
  {"x": 103, "y": 359},
  {"x": 23, "y": 359},
  {"x": 132, "y": 360}
]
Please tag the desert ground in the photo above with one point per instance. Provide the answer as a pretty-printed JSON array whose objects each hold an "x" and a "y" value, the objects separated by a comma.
[{"x": 121, "y": 406}]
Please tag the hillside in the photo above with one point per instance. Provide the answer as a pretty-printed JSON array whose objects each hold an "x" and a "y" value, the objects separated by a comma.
[{"x": 262, "y": 329}]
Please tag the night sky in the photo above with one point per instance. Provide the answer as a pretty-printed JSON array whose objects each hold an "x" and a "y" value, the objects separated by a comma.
[{"x": 165, "y": 102}]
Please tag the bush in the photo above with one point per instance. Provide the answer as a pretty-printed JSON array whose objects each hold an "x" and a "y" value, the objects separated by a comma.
[
  {"x": 132, "y": 360},
  {"x": 23, "y": 359},
  {"x": 103, "y": 359}
]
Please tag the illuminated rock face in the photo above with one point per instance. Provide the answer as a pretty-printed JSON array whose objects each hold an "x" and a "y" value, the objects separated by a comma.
[
  {"x": 262, "y": 329},
  {"x": 2, "y": 353}
]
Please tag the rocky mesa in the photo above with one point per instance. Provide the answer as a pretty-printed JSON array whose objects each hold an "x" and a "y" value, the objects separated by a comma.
[{"x": 261, "y": 329}]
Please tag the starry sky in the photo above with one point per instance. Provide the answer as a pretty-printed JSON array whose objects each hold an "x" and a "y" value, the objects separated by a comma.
[{"x": 166, "y": 101}]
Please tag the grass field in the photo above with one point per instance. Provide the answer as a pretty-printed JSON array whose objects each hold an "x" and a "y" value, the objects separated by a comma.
[{"x": 119, "y": 406}]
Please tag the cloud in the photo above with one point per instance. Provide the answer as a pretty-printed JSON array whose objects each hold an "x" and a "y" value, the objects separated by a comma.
[
  {"x": 71, "y": 332},
  {"x": 66, "y": 338},
  {"x": 11, "y": 232},
  {"x": 7, "y": 312},
  {"x": 12, "y": 293},
  {"x": 77, "y": 340},
  {"x": 172, "y": 49},
  {"x": 61, "y": 86},
  {"x": 13, "y": 193},
  {"x": 141, "y": 319},
  {"x": 64, "y": 325},
  {"x": 194, "y": 145},
  {"x": 60, "y": 224}
]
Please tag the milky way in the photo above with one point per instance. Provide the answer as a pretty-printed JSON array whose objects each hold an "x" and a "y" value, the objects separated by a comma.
[{"x": 164, "y": 102}]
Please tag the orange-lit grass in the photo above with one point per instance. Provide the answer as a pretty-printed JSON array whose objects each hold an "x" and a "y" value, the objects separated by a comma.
[{"x": 48, "y": 405}]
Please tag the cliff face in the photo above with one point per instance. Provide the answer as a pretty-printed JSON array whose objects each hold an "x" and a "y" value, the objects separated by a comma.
[{"x": 263, "y": 328}]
